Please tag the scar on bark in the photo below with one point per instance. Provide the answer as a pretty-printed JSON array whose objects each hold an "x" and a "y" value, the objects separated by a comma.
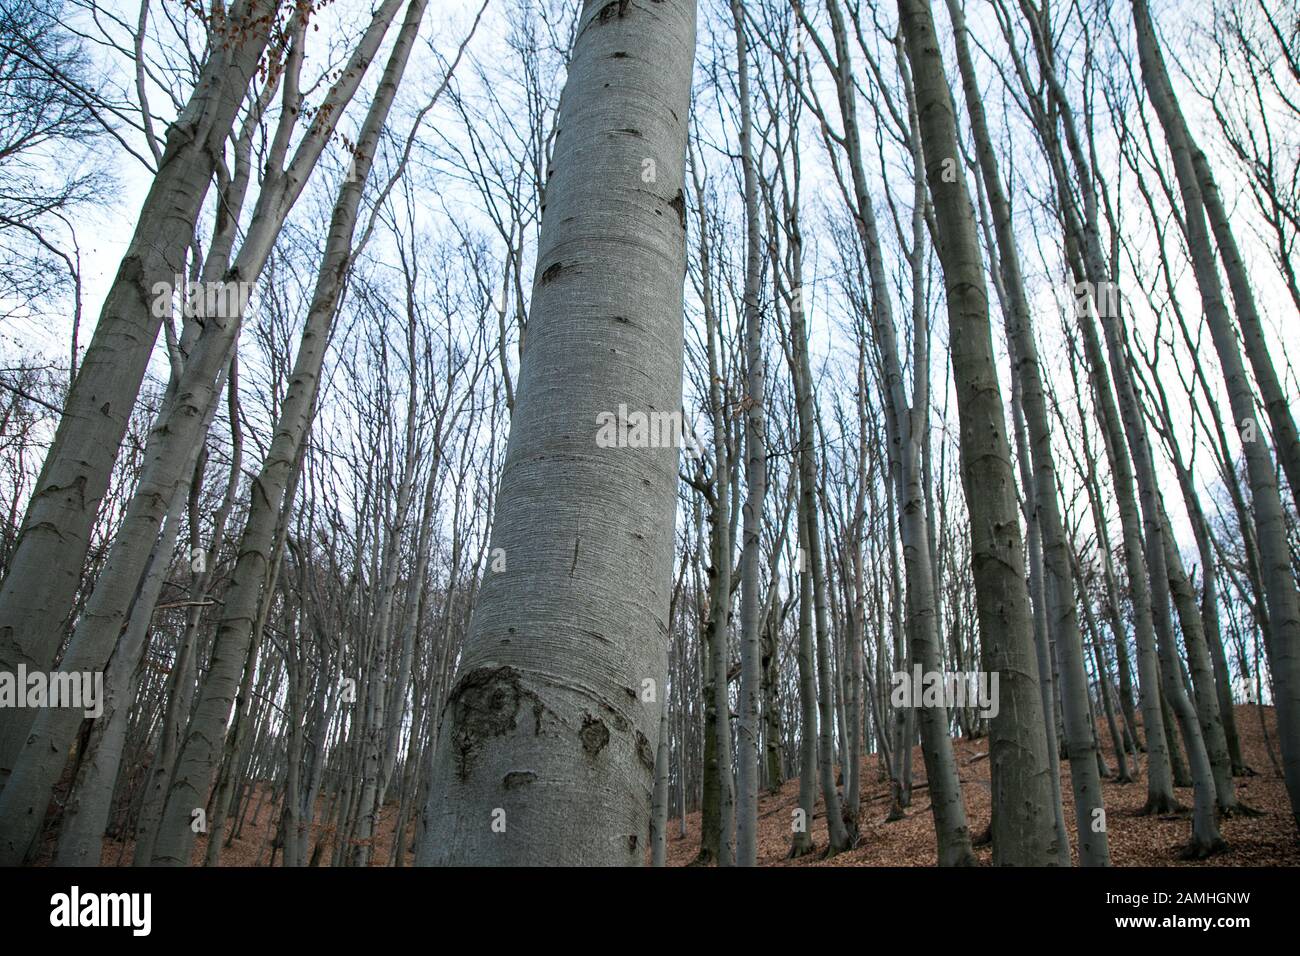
[
  {"x": 518, "y": 778},
  {"x": 484, "y": 704},
  {"x": 551, "y": 272},
  {"x": 615, "y": 8},
  {"x": 131, "y": 271},
  {"x": 76, "y": 490},
  {"x": 678, "y": 203},
  {"x": 594, "y": 734},
  {"x": 644, "y": 752}
]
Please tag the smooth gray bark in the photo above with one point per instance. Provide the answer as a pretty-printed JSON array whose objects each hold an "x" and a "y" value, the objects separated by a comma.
[
  {"x": 1022, "y": 834},
  {"x": 545, "y": 756},
  {"x": 747, "y": 727},
  {"x": 45, "y": 569},
  {"x": 1275, "y": 557}
]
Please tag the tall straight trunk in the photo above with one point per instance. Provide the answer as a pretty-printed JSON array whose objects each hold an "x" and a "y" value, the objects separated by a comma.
[
  {"x": 717, "y": 637},
  {"x": 659, "y": 803},
  {"x": 1059, "y": 582},
  {"x": 716, "y": 806},
  {"x": 747, "y": 727},
  {"x": 840, "y": 838},
  {"x": 906, "y": 425},
  {"x": 45, "y": 569},
  {"x": 1018, "y": 750},
  {"x": 545, "y": 710},
  {"x": 1091, "y": 282},
  {"x": 1002, "y": 277},
  {"x": 805, "y": 467},
  {"x": 814, "y": 651},
  {"x": 802, "y": 828},
  {"x": 201, "y": 747},
  {"x": 1275, "y": 557}
]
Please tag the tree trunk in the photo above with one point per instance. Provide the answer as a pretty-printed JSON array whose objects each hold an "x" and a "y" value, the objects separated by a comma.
[
  {"x": 1059, "y": 582},
  {"x": 546, "y": 709},
  {"x": 1279, "y": 581},
  {"x": 747, "y": 727},
  {"x": 45, "y": 569},
  {"x": 1022, "y": 834}
]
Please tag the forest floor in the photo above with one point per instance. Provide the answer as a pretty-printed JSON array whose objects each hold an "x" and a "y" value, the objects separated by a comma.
[{"x": 1265, "y": 840}]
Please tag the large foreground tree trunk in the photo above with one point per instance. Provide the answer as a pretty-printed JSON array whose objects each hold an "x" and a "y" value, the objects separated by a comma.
[{"x": 548, "y": 708}]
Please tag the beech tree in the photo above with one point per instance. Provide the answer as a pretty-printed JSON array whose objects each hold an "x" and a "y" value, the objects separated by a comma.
[
  {"x": 548, "y": 708},
  {"x": 406, "y": 559}
]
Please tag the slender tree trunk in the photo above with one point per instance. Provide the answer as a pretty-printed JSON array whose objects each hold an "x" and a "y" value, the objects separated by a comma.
[
  {"x": 1022, "y": 834},
  {"x": 1058, "y": 585},
  {"x": 45, "y": 569},
  {"x": 747, "y": 727},
  {"x": 1279, "y": 580}
]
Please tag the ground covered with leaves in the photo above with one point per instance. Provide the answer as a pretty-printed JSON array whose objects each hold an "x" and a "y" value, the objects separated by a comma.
[{"x": 1268, "y": 839}]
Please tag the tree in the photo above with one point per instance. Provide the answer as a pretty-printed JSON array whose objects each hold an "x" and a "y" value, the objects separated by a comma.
[
  {"x": 1199, "y": 197},
  {"x": 755, "y": 479},
  {"x": 1021, "y": 834},
  {"x": 549, "y": 704},
  {"x": 1059, "y": 588},
  {"x": 45, "y": 569}
]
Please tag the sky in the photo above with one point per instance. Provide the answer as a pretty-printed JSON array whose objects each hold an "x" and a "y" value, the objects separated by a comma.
[{"x": 103, "y": 231}]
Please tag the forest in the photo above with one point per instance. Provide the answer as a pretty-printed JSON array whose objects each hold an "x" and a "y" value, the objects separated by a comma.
[{"x": 649, "y": 433}]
